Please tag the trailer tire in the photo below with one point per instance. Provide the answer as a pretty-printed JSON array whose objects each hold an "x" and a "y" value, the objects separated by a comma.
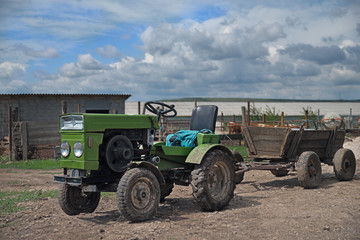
[
  {"x": 309, "y": 170},
  {"x": 73, "y": 201},
  {"x": 138, "y": 194},
  {"x": 165, "y": 190},
  {"x": 213, "y": 181},
  {"x": 344, "y": 164}
]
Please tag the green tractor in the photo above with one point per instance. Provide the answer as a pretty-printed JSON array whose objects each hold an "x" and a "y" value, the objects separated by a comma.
[{"x": 117, "y": 153}]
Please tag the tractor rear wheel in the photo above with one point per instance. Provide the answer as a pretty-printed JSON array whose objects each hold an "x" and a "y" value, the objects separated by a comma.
[
  {"x": 138, "y": 194},
  {"x": 213, "y": 181},
  {"x": 344, "y": 164},
  {"x": 309, "y": 170},
  {"x": 166, "y": 190},
  {"x": 238, "y": 160},
  {"x": 73, "y": 201}
]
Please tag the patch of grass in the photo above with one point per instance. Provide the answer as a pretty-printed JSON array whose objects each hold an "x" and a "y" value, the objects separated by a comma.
[
  {"x": 32, "y": 164},
  {"x": 9, "y": 200},
  {"x": 111, "y": 195},
  {"x": 4, "y": 159}
]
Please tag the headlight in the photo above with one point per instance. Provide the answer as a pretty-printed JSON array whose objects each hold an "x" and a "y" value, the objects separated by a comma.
[
  {"x": 78, "y": 149},
  {"x": 65, "y": 149}
]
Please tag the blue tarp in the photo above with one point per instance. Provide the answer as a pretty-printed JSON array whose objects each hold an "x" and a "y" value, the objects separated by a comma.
[{"x": 184, "y": 138}]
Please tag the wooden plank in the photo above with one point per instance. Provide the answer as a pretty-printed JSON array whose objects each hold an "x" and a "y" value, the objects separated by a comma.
[
  {"x": 289, "y": 136},
  {"x": 24, "y": 140},
  {"x": 248, "y": 140},
  {"x": 269, "y": 138},
  {"x": 273, "y": 146},
  {"x": 48, "y": 140}
]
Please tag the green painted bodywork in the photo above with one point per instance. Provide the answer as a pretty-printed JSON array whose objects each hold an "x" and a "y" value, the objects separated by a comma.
[
  {"x": 171, "y": 156},
  {"x": 95, "y": 125},
  {"x": 196, "y": 155},
  {"x": 101, "y": 122},
  {"x": 91, "y": 136}
]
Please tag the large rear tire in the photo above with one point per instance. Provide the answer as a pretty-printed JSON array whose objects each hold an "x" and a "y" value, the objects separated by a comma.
[
  {"x": 344, "y": 164},
  {"x": 213, "y": 181},
  {"x": 165, "y": 190},
  {"x": 138, "y": 194},
  {"x": 309, "y": 170},
  {"x": 238, "y": 159},
  {"x": 73, "y": 201}
]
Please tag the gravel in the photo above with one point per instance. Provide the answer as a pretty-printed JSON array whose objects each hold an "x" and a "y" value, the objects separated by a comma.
[{"x": 354, "y": 145}]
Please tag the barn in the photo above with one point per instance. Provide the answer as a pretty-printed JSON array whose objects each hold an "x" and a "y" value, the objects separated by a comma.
[{"x": 35, "y": 117}]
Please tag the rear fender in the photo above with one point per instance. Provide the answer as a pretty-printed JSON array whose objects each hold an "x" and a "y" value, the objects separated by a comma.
[
  {"x": 196, "y": 156},
  {"x": 151, "y": 167}
]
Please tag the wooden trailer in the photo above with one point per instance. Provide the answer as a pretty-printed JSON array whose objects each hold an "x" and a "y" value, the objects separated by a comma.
[{"x": 282, "y": 149}]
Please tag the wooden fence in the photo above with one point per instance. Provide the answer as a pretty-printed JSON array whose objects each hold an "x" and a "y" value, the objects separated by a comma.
[{"x": 28, "y": 134}]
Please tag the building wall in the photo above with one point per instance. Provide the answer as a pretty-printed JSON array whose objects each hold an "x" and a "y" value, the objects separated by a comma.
[{"x": 27, "y": 107}]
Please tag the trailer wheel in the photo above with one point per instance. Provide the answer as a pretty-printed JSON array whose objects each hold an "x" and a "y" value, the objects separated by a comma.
[
  {"x": 165, "y": 190},
  {"x": 344, "y": 164},
  {"x": 280, "y": 172},
  {"x": 213, "y": 181},
  {"x": 238, "y": 159},
  {"x": 138, "y": 194},
  {"x": 73, "y": 201},
  {"x": 309, "y": 170}
]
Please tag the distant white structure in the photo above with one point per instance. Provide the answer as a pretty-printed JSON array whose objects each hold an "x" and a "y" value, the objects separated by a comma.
[{"x": 332, "y": 120}]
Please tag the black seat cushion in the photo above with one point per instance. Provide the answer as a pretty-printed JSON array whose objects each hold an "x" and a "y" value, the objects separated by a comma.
[{"x": 204, "y": 117}]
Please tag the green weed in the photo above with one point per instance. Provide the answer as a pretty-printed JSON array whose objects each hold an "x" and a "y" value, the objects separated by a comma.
[
  {"x": 32, "y": 164},
  {"x": 9, "y": 200}
]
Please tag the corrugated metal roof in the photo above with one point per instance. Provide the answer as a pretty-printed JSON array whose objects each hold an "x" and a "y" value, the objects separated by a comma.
[
  {"x": 289, "y": 108},
  {"x": 64, "y": 94}
]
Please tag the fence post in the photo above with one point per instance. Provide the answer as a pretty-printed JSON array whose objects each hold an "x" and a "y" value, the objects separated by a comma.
[
  {"x": 64, "y": 107},
  {"x": 24, "y": 140},
  {"x": 222, "y": 123},
  {"x": 243, "y": 116},
  {"x": 248, "y": 114},
  {"x": 79, "y": 108},
  {"x": 264, "y": 118},
  {"x": 306, "y": 119},
  {"x": 282, "y": 119},
  {"x": 10, "y": 133},
  {"x": 139, "y": 107}
]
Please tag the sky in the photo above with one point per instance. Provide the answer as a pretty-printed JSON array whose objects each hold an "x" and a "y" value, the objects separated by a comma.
[{"x": 160, "y": 49}]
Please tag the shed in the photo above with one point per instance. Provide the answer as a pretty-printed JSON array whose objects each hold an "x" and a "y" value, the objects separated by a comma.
[{"x": 35, "y": 117}]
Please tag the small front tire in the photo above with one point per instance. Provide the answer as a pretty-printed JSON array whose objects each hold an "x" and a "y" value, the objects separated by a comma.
[
  {"x": 138, "y": 194},
  {"x": 73, "y": 201}
]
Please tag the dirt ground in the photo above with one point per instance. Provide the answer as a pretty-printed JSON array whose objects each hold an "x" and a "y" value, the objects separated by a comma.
[{"x": 264, "y": 207}]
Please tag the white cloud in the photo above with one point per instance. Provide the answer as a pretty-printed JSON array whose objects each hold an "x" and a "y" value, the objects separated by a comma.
[
  {"x": 11, "y": 77},
  {"x": 276, "y": 49},
  {"x": 109, "y": 51},
  {"x": 9, "y": 70}
]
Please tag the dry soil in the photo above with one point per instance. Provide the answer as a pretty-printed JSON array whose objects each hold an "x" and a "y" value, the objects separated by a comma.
[{"x": 264, "y": 207}]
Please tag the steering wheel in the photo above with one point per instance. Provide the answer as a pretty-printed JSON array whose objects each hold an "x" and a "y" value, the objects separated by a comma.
[{"x": 154, "y": 107}]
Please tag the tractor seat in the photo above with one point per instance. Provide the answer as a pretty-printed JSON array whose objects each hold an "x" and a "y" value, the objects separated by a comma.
[{"x": 204, "y": 117}]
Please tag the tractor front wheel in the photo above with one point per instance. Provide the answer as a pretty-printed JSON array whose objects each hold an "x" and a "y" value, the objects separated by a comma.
[
  {"x": 213, "y": 181},
  {"x": 73, "y": 201},
  {"x": 138, "y": 194}
]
